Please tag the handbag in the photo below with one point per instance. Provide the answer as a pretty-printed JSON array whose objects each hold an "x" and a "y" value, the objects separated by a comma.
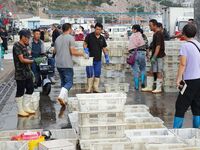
[{"x": 132, "y": 57}]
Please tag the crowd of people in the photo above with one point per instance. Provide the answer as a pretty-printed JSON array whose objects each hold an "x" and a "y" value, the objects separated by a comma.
[{"x": 95, "y": 45}]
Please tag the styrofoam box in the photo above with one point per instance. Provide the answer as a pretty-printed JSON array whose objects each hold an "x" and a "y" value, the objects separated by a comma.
[
  {"x": 117, "y": 87},
  {"x": 148, "y": 133},
  {"x": 136, "y": 108},
  {"x": 57, "y": 145},
  {"x": 83, "y": 61},
  {"x": 101, "y": 118},
  {"x": 164, "y": 146},
  {"x": 117, "y": 146},
  {"x": 73, "y": 117},
  {"x": 102, "y": 131},
  {"x": 85, "y": 144},
  {"x": 101, "y": 102},
  {"x": 13, "y": 145}
]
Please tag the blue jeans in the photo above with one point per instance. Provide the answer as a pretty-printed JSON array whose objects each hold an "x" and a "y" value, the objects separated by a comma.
[
  {"x": 140, "y": 64},
  {"x": 95, "y": 70},
  {"x": 51, "y": 62},
  {"x": 66, "y": 77}
]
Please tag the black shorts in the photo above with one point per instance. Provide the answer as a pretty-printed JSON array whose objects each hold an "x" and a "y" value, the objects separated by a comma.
[
  {"x": 24, "y": 86},
  {"x": 191, "y": 97}
]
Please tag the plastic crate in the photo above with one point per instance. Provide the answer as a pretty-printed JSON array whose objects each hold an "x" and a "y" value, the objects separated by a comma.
[
  {"x": 13, "y": 145},
  {"x": 136, "y": 108},
  {"x": 67, "y": 134},
  {"x": 102, "y": 102},
  {"x": 57, "y": 145},
  {"x": 191, "y": 136},
  {"x": 150, "y": 125},
  {"x": 186, "y": 148},
  {"x": 113, "y": 74},
  {"x": 147, "y": 120},
  {"x": 101, "y": 118},
  {"x": 113, "y": 80},
  {"x": 164, "y": 146},
  {"x": 131, "y": 134},
  {"x": 73, "y": 117},
  {"x": 72, "y": 104},
  {"x": 117, "y": 67},
  {"x": 100, "y": 131},
  {"x": 138, "y": 114},
  {"x": 118, "y": 87},
  {"x": 83, "y": 61},
  {"x": 85, "y": 144},
  {"x": 116, "y": 146}
]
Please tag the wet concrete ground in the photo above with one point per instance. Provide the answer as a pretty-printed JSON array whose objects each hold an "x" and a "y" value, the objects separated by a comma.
[{"x": 51, "y": 115}]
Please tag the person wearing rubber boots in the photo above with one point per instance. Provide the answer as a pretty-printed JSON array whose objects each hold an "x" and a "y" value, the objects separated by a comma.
[
  {"x": 188, "y": 72},
  {"x": 64, "y": 50},
  {"x": 94, "y": 44},
  {"x": 37, "y": 49},
  {"x": 23, "y": 74},
  {"x": 157, "y": 59}
]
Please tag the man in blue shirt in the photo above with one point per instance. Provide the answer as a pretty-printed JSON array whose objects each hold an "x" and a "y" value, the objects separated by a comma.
[{"x": 37, "y": 49}]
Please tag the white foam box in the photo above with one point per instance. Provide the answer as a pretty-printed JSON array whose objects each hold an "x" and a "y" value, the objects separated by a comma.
[
  {"x": 85, "y": 144},
  {"x": 101, "y": 102},
  {"x": 13, "y": 145},
  {"x": 101, "y": 118},
  {"x": 102, "y": 131},
  {"x": 57, "y": 145}
]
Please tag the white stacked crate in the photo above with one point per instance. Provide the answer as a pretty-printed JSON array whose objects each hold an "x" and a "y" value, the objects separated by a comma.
[
  {"x": 171, "y": 63},
  {"x": 115, "y": 71},
  {"x": 101, "y": 116},
  {"x": 138, "y": 117},
  {"x": 80, "y": 76}
]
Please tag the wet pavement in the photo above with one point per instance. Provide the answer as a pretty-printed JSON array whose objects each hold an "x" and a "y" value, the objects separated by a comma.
[{"x": 51, "y": 115}]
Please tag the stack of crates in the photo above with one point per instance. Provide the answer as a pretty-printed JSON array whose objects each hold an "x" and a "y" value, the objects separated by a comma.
[
  {"x": 171, "y": 64},
  {"x": 115, "y": 71},
  {"x": 138, "y": 117},
  {"x": 101, "y": 118}
]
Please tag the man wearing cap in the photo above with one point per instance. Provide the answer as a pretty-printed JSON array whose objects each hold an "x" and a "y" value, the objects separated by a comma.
[{"x": 23, "y": 74}]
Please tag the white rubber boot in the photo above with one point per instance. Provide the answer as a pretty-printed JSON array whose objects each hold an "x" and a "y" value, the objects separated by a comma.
[
  {"x": 62, "y": 98},
  {"x": 158, "y": 86},
  {"x": 149, "y": 87},
  {"x": 96, "y": 85},
  {"x": 35, "y": 100},
  {"x": 21, "y": 112},
  {"x": 90, "y": 82},
  {"x": 27, "y": 104}
]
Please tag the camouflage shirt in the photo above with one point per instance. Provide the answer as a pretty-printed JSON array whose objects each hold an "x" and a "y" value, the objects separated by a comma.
[{"x": 22, "y": 71}]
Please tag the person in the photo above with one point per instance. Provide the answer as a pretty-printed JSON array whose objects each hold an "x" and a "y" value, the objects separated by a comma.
[
  {"x": 94, "y": 44},
  {"x": 135, "y": 42},
  {"x": 1, "y": 55},
  {"x": 37, "y": 49},
  {"x": 165, "y": 33},
  {"x": 42, "y": 34},
  {"x": 189, "y": 72},
  {"x": 158, "y": 53},
  {"x": 79, "y": 34},
  {"x": 23, "y": 74},
  {"x": 4, "y": 37},
  {"x": 55, "y": 34},
  {"x": 64, "y": 50}
]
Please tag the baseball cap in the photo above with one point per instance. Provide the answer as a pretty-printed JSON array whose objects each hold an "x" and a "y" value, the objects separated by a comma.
[{"x": 25, "y": 33}]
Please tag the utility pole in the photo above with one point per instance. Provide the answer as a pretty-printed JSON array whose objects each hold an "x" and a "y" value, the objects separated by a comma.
[{"x": 197, "y": 17}]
